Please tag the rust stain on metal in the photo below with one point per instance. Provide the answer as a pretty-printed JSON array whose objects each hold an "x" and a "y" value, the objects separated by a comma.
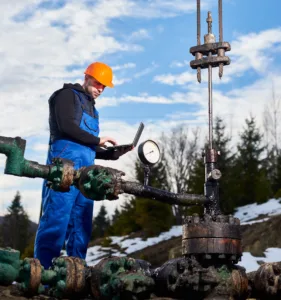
[
  {"x": 67, "y": 177},
  {"x": 35, "y": 275},
  {"x": 70, "y": 275},
  {"x": 239, "y": 282},
  {"x": 75, "y": 276}
]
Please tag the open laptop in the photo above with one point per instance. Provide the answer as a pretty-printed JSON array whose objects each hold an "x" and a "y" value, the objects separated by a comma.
[{"x": 131, "y": 145}]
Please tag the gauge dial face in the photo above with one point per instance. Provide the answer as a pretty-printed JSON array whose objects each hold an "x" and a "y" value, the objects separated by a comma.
[{"x": 150, "y": 152}]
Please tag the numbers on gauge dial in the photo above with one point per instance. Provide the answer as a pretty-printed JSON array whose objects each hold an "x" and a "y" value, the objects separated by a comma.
[{"x": 151, "y": 152}]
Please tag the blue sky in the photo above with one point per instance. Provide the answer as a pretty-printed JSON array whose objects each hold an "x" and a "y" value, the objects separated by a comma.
[{"x": 147, "y": 42}]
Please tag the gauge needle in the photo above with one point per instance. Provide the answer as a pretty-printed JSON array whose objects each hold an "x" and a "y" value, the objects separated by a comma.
[{"x": 149, "y": 152}]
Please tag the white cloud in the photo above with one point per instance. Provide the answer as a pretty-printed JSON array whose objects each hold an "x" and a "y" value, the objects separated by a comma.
[
  {"x": 179, "y": 79},
  {"x": 179, "y": 64},
  {"x": 124, "y": 66},
  {"x": 146, "y": 98},
  {"x": 40, "y": 147},
  {"x": 121, "y": 81},
  {"x": 139, "y": 35}
]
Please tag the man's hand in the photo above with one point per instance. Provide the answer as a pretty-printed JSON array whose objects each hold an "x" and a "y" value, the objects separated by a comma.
[{"x": 106, "y": 139}]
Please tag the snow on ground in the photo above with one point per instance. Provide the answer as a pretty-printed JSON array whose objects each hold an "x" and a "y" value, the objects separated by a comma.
[
  {"x": 95, "y": 254},
  {"x": 246, "y": 214},
  {"x": 250, "y": 262},
  {"x": 251, "y": 211}
]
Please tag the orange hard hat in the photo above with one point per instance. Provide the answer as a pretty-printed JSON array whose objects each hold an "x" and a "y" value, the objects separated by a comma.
[{"x": 101, "y": 72}]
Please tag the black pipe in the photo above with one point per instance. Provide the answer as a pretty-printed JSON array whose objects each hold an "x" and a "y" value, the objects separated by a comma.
[{"x": 137, "y": 189}]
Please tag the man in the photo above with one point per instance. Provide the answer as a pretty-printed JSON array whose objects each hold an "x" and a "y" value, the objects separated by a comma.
[{"x": 74, "y": 130}]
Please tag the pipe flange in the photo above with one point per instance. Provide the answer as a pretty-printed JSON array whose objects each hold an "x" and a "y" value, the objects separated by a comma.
[{"x": 212, "y": 237}]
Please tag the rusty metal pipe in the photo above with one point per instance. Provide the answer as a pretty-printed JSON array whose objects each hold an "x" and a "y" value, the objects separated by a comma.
[
  {"x": 198, "y": 37},
  {"x": 220, "y": 37},
  {"x": 210, "y": 104},
  {"x": 137, "y": 189}
]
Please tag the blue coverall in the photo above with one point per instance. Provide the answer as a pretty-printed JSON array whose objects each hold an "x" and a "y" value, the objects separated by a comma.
[{"x": 67, "y": 216}]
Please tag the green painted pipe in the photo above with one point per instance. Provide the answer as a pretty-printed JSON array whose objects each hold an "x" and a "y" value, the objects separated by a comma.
[
  {"x": 16, "y": 164},
  {"x": 9, "y": 265}
]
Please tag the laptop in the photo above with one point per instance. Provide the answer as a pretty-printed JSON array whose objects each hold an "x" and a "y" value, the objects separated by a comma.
[{"x": 131, "y": 145}]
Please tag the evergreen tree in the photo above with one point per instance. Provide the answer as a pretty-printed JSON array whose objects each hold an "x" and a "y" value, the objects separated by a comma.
[
  {"x": 146, "y": 215},
  {"x": 197, "y": 176},
  {"x": 126, "y": 221},
  {"x": 225, "y": 165},
  {"x": 275, "y": 179},
  {"x": 15, "y": 227},
  {"x": 100, "y": 223},
  {"x": 115, "y": 216},
  {"x": 252, "y": 184}
]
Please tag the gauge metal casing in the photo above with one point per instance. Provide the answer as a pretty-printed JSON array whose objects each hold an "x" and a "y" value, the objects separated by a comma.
[{"x": 151, "y": 157}]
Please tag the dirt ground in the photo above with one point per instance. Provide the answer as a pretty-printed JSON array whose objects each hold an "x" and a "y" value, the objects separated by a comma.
[{"x": 11, "y": 293}]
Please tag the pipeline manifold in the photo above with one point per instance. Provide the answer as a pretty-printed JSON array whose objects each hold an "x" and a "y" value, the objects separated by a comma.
[{"x": 94, "y": 182}]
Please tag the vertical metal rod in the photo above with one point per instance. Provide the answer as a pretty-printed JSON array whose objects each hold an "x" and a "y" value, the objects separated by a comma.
[
  {"x": 210, "y": 104},
  {"x": 209, "y": 21},
  {"x": 220, "y": 21},
  {"x": 198, "y": 23},
  {"x": 198, "y": 36},
  {"x": 220, "y": 35}
]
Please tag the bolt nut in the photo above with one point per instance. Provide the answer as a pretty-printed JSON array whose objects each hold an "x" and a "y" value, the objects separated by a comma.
[
  {"x": 63, "y": 271},
  {"x": 61, "y": 285},
  {"x": 220, "y": 218},
  {"x": 188, "y": 219},
  {"x": 26, "y": 267},
  {"x": 196, "y": 218},
  {"x": 231, "y": 220},
  {"x": 207, "y": 218},
  {"x": 215, "y": 174}
]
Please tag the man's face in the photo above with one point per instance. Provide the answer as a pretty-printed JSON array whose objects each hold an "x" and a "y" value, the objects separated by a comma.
[{"x": 93, "y": 87}]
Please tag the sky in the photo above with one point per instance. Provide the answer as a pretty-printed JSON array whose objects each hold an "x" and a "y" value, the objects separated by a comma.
[{"x": 45, "y": 44}]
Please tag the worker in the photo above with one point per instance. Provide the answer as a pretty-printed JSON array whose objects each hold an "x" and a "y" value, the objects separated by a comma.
[{"x": 74, "y": 134}]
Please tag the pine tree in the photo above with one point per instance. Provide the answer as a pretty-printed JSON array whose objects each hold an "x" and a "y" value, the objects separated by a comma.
[
  {"x": 100, "y": 223},
  {"x": 225, "y": 164},
  {"x": 126, "y": 221},
  {"x": 115, "y": 216},
  {"x": 275, "y": 179},
  {"x": 197, "y": 176},
  {"x": 15, "y": 227},
  {"x": 252, "y": 184}
]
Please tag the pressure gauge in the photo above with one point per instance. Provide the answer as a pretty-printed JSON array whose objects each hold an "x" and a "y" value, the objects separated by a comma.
[{"x": 149, "y": 152}]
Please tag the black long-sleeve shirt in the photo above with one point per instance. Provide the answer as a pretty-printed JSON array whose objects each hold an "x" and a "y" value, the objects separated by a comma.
[
  {"x": 65, "y": 116},
  {"x": 68, "y": 113}
]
